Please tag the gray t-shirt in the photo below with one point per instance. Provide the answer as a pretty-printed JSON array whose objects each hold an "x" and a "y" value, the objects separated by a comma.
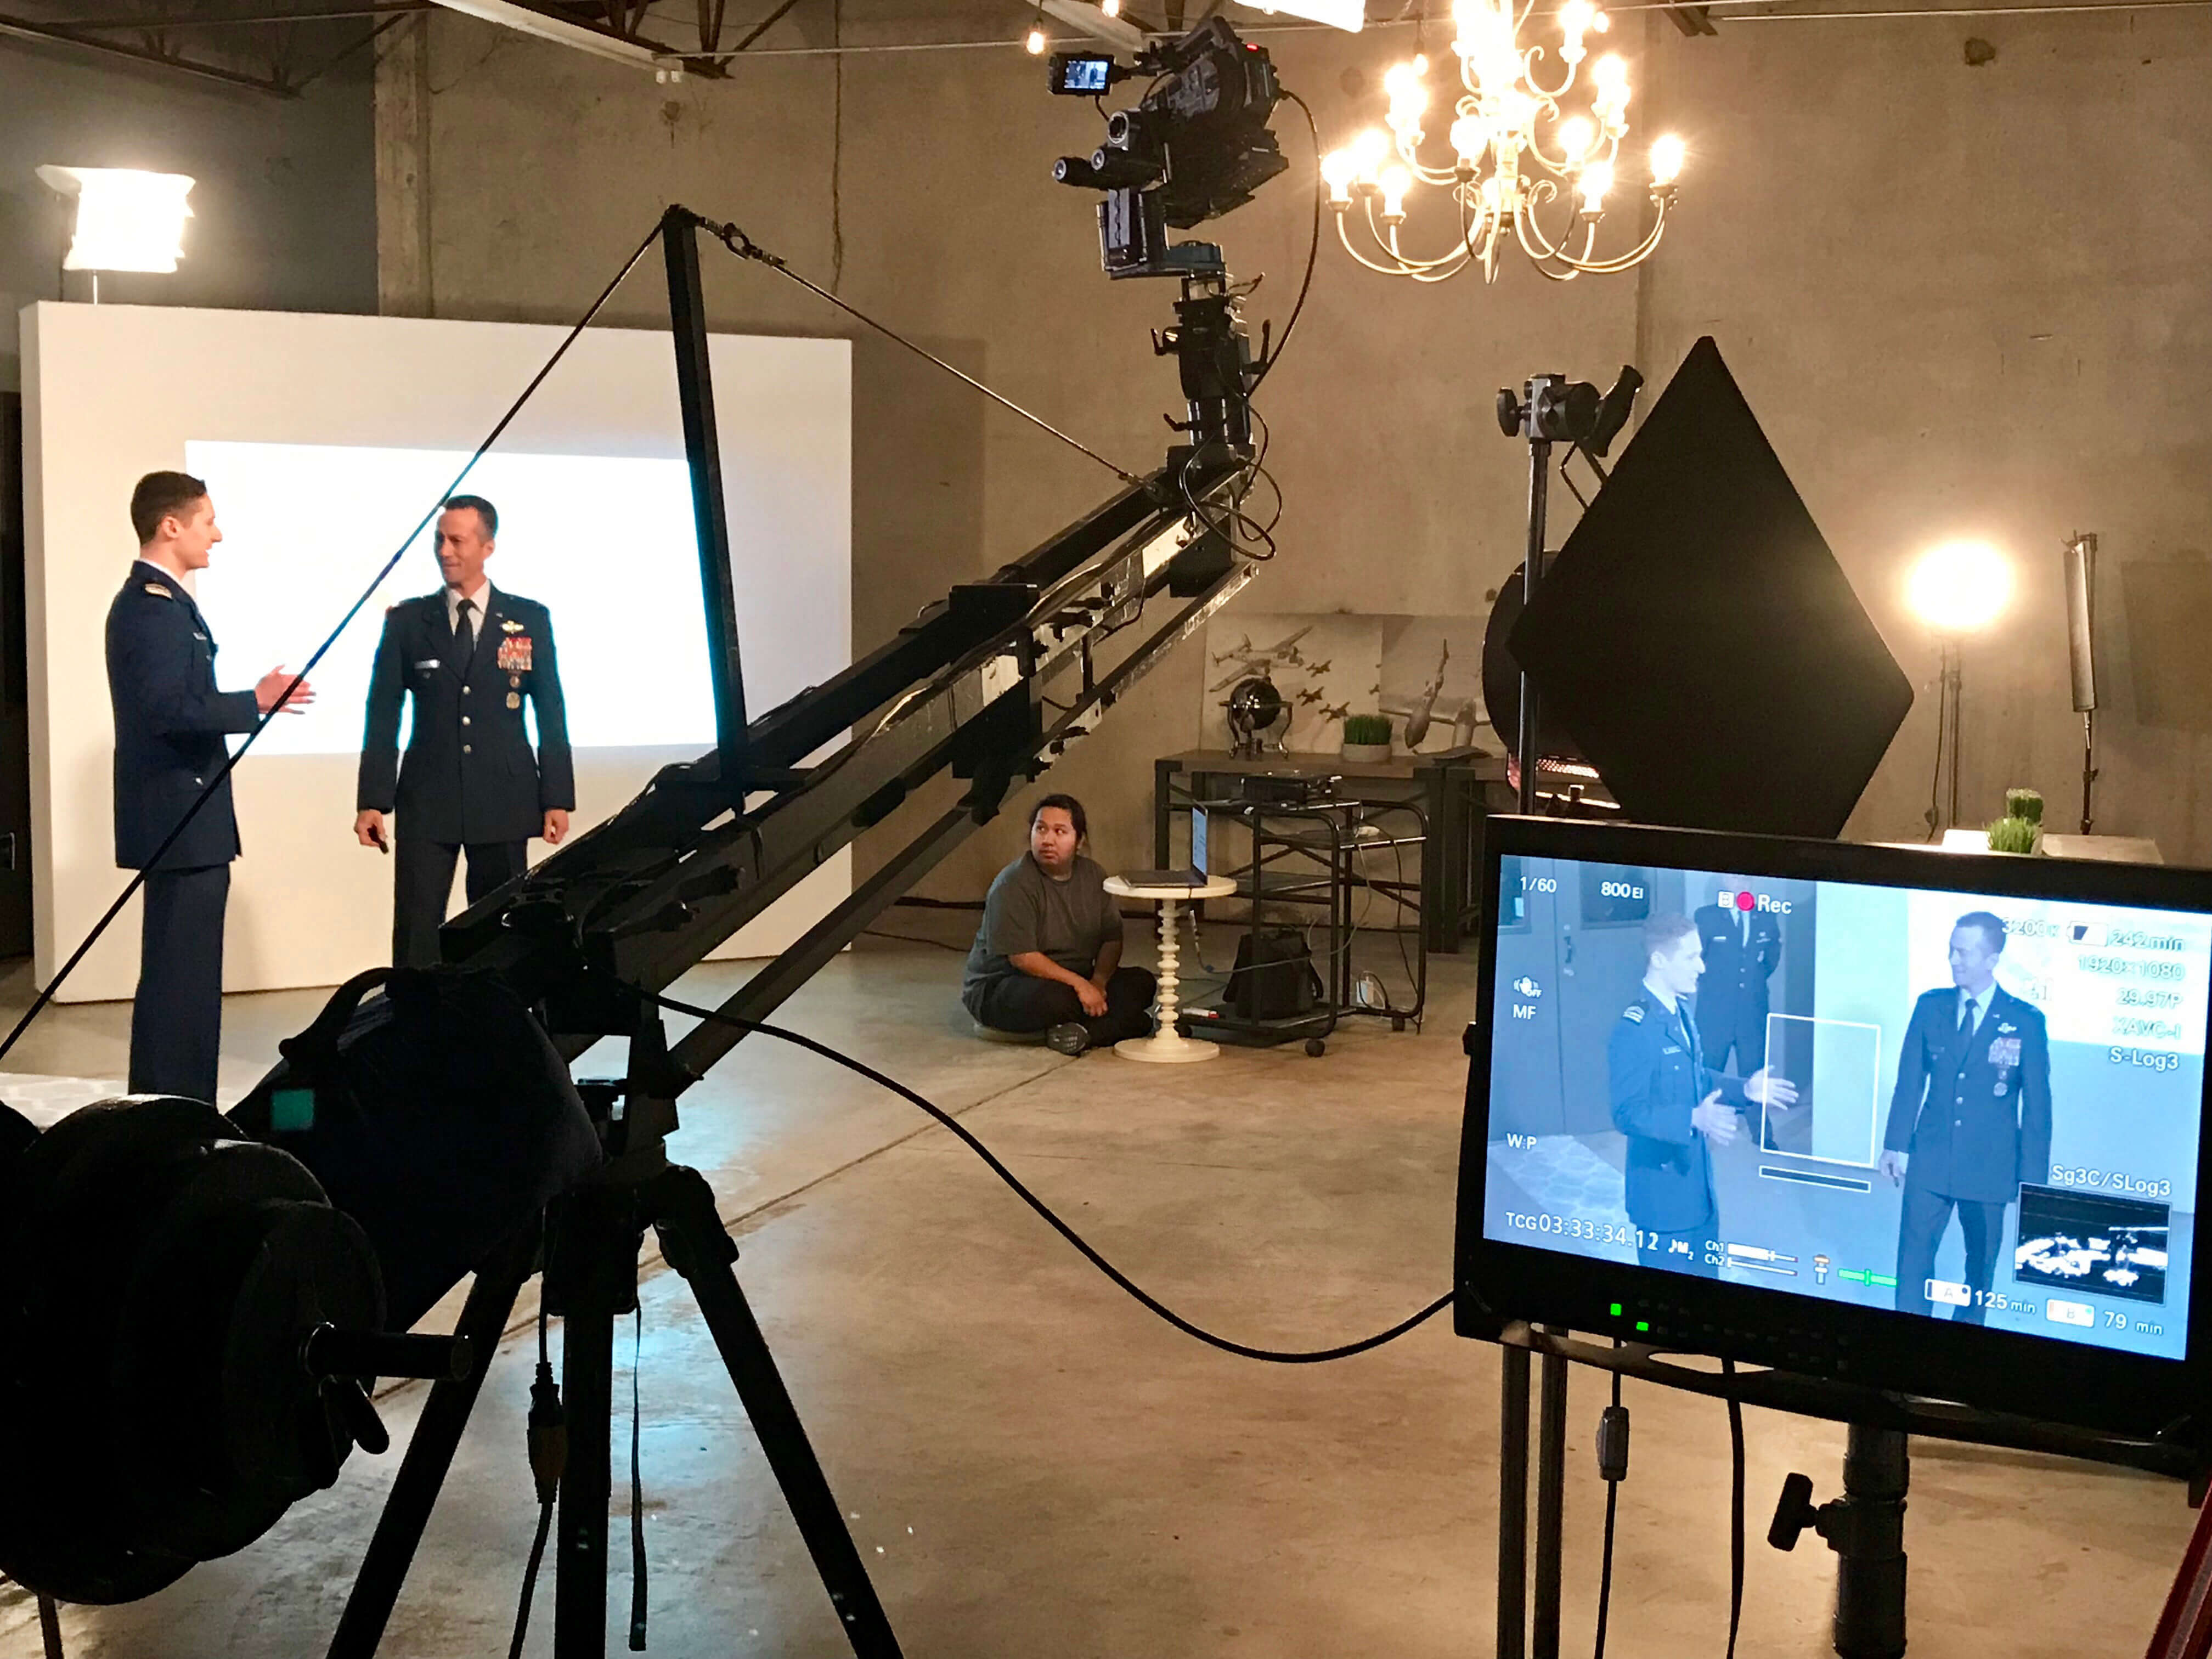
[{"x": 1027, "y": 910}]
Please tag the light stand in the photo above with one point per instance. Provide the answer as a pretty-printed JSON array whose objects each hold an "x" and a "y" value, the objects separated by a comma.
[
  {"x": 1957, "y": 588},
  {"x": 1866, "y": 1529},
  {"x": 2080, "y": 583},
  {"x": 1550, "y": 409},
  {"x": 1942, "y": 802}
]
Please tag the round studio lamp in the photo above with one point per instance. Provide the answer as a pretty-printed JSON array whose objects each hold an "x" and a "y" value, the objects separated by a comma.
[{"x": 1960, "y": 587}]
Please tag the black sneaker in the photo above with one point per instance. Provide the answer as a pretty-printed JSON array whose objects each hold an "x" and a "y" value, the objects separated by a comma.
[{"x": 1069, "y": 1039}]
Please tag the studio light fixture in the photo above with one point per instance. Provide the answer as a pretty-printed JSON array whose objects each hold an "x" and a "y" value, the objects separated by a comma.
[
  {"x": 1524, "y": 166},
  {"x": 1958, "y": 588},
  {"x": 1350, "y": 16},
  {"x": 126, "y": 219}
]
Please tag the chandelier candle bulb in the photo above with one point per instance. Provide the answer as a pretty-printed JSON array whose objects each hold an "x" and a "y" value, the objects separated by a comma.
[
  {"x": 1596, "y": 179},
  {"x": 1534, "y": 131},
  {"x": 1394, "y": 182}
]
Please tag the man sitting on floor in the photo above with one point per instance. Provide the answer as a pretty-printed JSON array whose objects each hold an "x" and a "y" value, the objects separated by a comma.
[{"x": 1047, "y": 955}]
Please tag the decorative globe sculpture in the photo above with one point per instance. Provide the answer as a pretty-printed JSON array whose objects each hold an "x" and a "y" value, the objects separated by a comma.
[{"x": 1255, "y": 708}]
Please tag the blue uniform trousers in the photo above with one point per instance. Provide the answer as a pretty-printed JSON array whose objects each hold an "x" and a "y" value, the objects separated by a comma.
[
  {"x": 176, "y": 1021},
  {"x": 422, "y": 881},
  {"x": 1921, "y": 1223}
]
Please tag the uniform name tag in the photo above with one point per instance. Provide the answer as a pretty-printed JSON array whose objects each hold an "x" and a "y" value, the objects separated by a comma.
[
  {"x": 514, "y": 655},
  {"x": 2005, "y": 1051},
  {"x": 426, "y": 664}
]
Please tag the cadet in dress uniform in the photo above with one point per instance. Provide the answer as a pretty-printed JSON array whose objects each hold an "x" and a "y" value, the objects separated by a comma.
[
  {"x": 1969, "y": 1119},
  {"x": 1670, "y": 1104},
  {"x": 170, "y": 723},
  {"x": 1742, "y": 949},
  {"x": 470, "y": 656}
]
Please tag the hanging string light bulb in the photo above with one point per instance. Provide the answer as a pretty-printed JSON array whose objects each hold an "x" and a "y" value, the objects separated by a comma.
[{"x": 1523, "y": 167}]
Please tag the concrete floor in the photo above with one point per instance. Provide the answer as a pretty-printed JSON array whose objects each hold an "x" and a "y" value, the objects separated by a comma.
[{"x": 1034, "y": 1466}]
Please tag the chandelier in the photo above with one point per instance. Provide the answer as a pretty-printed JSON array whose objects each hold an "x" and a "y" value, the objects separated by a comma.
[{"x": 1522, "y": 166}]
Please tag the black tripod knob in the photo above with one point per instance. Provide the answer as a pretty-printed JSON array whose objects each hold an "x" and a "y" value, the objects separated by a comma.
[{"x": 1794, "y": 1513}]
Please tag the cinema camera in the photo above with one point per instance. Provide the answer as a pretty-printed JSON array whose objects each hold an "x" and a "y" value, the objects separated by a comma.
[
  {"x": 1196, "y": 145},
  {"x": 192, "y": 1305}
]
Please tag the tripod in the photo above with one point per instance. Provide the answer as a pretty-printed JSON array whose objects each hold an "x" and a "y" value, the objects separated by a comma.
[{"x": 592, "y": 1236}]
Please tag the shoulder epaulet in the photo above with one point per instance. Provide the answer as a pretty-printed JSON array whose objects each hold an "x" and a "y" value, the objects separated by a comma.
[
  {"x": 158, "y": 591},
  {"x": 1634, "y": 1011}
]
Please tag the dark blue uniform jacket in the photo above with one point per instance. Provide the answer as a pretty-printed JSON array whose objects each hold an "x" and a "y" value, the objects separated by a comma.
[
  {"x": 469, "y": 774},
  {"x": 170, "y": 722},
  {"x": 1658, "y": 1075},
  {"x": 1973, "y": 1114},
  {"x": 1732, "y": 996}
]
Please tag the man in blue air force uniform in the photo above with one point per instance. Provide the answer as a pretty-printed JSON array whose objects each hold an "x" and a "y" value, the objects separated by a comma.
[
  {"x": 1743, "y": 947},
  {"x": 470, "y": 656},
  {"x": 170, "y": 723},
  {"x": 1673, "y": 1108},
  {"x": 1971, "y": 1117}
]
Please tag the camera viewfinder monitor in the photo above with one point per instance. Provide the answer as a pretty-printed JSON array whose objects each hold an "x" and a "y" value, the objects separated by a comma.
[
  {"x": 1081, "y": 75},
  {"x": 1923, "y": 1122}
]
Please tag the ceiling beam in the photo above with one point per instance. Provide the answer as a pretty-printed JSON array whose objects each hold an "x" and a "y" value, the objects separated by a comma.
[{"x": 23, "y": 28}]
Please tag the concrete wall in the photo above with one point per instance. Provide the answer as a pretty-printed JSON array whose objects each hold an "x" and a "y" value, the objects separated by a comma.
[
  {"x": 1962, "y": 298},
  {"x": 285, "y": 204}
]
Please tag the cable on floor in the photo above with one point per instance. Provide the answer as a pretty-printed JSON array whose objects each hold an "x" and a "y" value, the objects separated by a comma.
[{"x": 1144, "y": 1298}]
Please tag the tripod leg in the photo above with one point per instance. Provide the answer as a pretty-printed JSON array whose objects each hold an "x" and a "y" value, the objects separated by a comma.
[
  {"x": 580, "y": 1585},
  {"x": 591, "y": 1237},
  {"x": 1513, "y": 1502},
  {"x": 693, "y": 1239},
  {"x": 430, "y": 1455},
  {"x": 1550, "y": 1502}
]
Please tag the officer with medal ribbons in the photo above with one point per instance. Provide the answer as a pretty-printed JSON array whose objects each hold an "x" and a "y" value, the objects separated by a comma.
[
  {"x": 1970, "y": 1119},
  {"x": 170, "y": 723},
  {"x": 470, "y": 656},
  {"x": 1673, "y": 1108}
]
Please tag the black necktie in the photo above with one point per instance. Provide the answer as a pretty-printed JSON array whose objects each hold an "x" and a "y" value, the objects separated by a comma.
[
  {"x": 464, "y": 633},
  {"x": 1966, "y": 1020}
]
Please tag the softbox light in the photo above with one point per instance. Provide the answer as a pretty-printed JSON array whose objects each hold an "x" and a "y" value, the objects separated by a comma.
[{"x": 1696, "y": 638}]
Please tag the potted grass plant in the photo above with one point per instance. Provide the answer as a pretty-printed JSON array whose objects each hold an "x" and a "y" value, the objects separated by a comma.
[
  {"x": 1366, "y": 738},
  {"x": 2021, "y": 830}
]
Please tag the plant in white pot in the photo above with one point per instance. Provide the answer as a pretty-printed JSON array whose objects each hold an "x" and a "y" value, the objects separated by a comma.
[{"x": 1366, "y": 738}]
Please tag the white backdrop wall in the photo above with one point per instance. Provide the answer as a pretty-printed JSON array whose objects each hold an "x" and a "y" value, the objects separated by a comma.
[{"x": 113, "y": 392}]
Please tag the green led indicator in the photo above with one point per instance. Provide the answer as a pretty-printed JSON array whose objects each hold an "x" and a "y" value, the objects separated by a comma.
[
  {"x": 292, "y": 1111},
  {"x": 1616, "y": 1310},
  {"x": 1887, "y": 1281},
  {"x": 1642, "y": 1324},
  {"x": 1856, "y": 1275}
]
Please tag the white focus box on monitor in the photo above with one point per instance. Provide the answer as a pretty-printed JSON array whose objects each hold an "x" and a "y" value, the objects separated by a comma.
[{"x": 324, "y": 441}]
